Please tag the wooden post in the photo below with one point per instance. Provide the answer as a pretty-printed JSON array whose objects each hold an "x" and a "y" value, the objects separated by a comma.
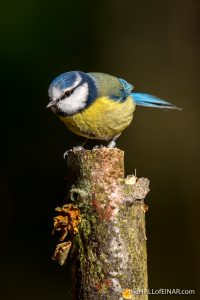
[{"x": 108, "y": 239}]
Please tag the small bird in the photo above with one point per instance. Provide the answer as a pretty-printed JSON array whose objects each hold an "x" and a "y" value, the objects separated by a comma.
[{"x": 97, "y": 105}]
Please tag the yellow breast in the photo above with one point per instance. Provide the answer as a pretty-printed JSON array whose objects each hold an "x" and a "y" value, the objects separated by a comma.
[{"x": 103, "y": 119}]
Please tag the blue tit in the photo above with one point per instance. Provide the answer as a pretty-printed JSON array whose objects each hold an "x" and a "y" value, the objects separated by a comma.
[{"x": 97, "y": 105}]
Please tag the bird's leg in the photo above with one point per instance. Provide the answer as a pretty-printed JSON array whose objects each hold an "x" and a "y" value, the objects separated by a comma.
[
  {"x": 112, "y": 143},
  {"x": 76, "y": 148}
]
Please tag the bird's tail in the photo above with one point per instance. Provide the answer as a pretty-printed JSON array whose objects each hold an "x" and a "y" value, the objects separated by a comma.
[{"x": 143, "y": 99}]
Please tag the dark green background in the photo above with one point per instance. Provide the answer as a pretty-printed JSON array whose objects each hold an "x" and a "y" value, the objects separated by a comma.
[{"x": 152, "y": 44}]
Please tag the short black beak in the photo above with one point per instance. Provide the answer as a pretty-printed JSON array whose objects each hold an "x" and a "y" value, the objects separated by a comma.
[{"x": 51, "y": 103}]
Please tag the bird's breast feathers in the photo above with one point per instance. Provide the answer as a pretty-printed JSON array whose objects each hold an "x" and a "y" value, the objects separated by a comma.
[{"x": 103, "y": 119}]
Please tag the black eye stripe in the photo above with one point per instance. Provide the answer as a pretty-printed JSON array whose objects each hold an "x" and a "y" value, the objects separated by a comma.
[
  {"x": 66, "y": 94},
  {"x": 69, "y": 92}
]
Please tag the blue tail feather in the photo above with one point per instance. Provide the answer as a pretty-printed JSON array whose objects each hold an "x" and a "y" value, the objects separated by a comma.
[{"x": 143, "y": 99}]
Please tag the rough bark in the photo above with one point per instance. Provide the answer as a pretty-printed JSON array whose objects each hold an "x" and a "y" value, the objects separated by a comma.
[{"x": 109, "y": 259}]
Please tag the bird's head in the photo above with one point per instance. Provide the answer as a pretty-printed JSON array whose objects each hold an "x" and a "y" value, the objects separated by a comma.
[{"x": 69, "y": 93}]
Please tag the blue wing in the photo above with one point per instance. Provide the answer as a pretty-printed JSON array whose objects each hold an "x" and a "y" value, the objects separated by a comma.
[
  {"x": 124, "y": 92},
  {"x": 143, "y": 99},
  {"x": 115, "y": 88},
  {"x": 127, "y": 87}
]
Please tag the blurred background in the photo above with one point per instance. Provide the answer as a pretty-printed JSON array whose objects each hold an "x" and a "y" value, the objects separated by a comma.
[{"x": 152, "y": 44}]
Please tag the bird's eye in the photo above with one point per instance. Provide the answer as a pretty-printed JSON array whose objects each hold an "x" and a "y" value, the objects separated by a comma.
[{"x": 67, "y": 93}]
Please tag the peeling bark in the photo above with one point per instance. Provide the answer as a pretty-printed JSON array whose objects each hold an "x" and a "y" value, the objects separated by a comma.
[{"x": 109, "y": 251}]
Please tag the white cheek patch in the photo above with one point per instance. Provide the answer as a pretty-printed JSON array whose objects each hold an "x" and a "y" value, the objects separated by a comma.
[{"x": 76, "y": 101}]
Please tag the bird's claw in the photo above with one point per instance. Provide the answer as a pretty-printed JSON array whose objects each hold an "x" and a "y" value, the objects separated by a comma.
[
  {"x": 74, "y": 149},
  {"x": 97, "y": 147}
]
